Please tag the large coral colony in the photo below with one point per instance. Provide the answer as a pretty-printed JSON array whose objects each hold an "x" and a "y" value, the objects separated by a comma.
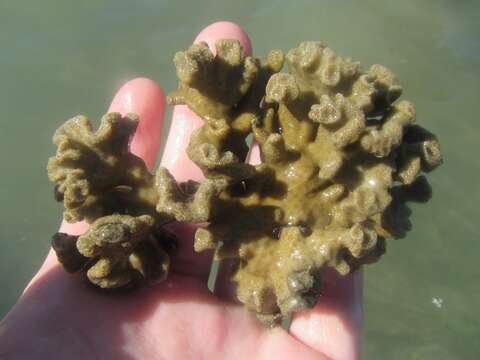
[{"x": 340, "y": 155}]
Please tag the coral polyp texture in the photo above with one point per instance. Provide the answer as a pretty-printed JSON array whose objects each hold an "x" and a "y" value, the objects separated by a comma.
[
  {"x": 335, "y": 147},
  {"x": 95, "y": 173},
  {"x": 340, "y": 157},
  {"x": 116, "y": 250}
]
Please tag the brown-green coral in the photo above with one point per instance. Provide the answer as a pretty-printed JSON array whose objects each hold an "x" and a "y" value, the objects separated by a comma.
[
  {"x": 334, "y": 145},
  {"x": 99, "y": 180},
  {"x": 340, "y": 156},
  {"x": 116, "y": 250},
  {"x": 96, "y": 174}
]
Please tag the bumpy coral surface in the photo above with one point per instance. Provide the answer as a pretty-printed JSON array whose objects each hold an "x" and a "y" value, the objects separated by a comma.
[
  {"x": 99, "y": 180},
  {"x": 340, "y": 157},
  {"x": 116, "y": 250},
  {"x": 336, "y": 149},
  {"x": 225, "y": 90}
]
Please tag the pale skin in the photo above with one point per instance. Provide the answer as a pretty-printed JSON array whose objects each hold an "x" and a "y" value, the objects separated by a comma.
[{"x": 59, "y": 317}]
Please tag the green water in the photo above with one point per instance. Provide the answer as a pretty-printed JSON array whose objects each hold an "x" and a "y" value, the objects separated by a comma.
[{"x": 60, "y": 58}]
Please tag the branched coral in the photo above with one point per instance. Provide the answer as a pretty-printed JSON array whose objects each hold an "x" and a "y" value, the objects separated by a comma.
[
  {"x": 183, "y": 202},
  {"x": 225, "y": 90},
  {"x": 99, "y": 180},
  {"x": 340, "y": 156},
  {"x": 95, "y": 173},
  {"x": 122, "y": 247},
  {"x": 333, "y": 142},
  {"x": 117, "y": 250}
]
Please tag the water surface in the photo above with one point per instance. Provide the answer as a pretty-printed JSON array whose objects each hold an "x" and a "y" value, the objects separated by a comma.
[{"x": 60, "y": 58}]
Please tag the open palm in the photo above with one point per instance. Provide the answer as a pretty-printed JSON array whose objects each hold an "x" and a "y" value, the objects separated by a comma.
[{"x": 60, "y": 317}]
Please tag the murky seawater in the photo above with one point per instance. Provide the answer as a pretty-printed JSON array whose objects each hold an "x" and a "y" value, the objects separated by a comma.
[{"x": 60, "y": 58}]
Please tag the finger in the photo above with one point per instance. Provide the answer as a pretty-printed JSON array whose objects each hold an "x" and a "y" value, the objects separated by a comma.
[
  {"x": 146, "y": 99},
  {"x": 333, "y": 326},
  {"x": 175, "y": 158}
]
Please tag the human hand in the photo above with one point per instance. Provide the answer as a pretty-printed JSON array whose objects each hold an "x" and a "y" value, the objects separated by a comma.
[{"x": 57, "y": 317}]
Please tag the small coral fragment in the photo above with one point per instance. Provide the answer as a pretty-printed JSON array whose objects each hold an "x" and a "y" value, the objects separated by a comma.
[
  {"x": 232, "y": 70},
  {"x": 99, "y": 180},
  {"x": 123, "y": 247},
  {"x": 116, "y": 251},
  {"x": 95, "y": 173}
]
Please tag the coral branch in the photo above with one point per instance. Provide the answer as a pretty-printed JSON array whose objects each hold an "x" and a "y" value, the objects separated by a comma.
[
  {"x": 340, "y": 156},
  {"x": 116, "y": 251},
  {"x": 96, "y": 174}
]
